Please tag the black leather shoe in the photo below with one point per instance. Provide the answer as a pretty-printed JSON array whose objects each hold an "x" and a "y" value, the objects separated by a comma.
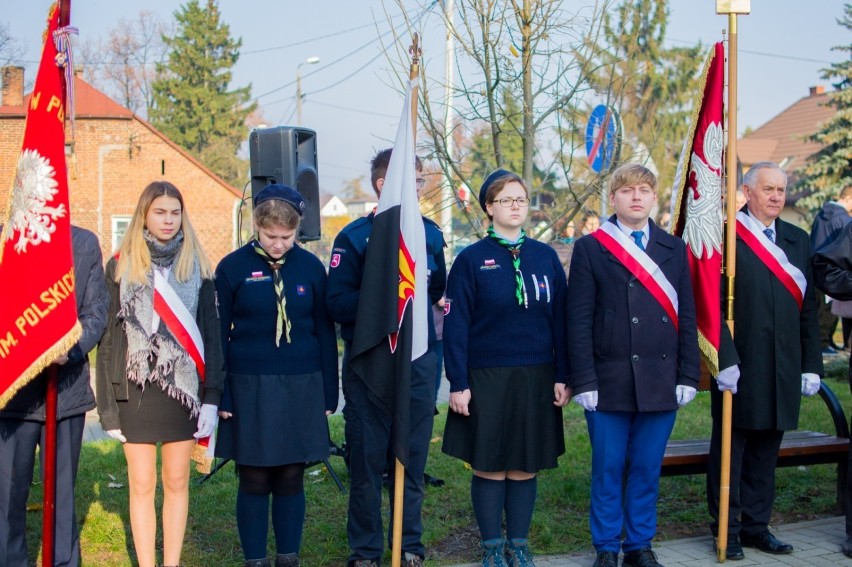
[
  {"x": 640, "y": 558},
  {"x": 606, "y": 559},
  {"x": 846, "y": 548},
  {"x": 765, "y": 541},
  {"x": 734, "y": 551}
]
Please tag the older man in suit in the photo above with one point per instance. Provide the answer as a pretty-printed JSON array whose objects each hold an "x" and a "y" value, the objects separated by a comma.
[
  {"x": 776, "y": 345},
  {"x": 633, "y": 351}
]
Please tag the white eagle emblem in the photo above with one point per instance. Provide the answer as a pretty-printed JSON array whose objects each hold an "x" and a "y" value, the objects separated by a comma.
[
  {"x": 703, "y": 228},
  {"x": 30, "y": 213}
]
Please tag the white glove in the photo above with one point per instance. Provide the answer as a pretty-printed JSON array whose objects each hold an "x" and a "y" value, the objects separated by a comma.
[
  {"x": 207, "y": 419},
  {"x": 116, "y": 434},
  {"x": 685, "y": 394},
  {"x": 587, "y": 400},
  {"x": 810, "y": 384},
  {"x": 728, "y": 378}
]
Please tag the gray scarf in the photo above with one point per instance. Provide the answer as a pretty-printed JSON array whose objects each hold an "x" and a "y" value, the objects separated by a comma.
[{"x": 156, "y": 356}]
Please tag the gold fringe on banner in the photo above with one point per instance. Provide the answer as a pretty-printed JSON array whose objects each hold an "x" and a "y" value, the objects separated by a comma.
[{"x": 61, "y": 347}]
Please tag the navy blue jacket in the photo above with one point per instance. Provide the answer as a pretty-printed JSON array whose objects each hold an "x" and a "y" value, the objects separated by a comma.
[
  {"x": 346, "y": 270},
  {"x": 486, "y": 327},
  {"x": 620, "y": 339},
  {"x": 828, "y": 223}
]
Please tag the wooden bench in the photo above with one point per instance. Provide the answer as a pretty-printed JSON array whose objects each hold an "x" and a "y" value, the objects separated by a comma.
[{"x": 690, "y": 456}]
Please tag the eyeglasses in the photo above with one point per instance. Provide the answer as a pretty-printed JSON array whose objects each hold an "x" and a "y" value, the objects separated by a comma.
[
  {"x": 421, "y": 183},
  {"x": 506, "y": 202}
]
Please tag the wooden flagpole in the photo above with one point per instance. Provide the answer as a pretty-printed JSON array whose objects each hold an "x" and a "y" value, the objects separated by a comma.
[
  {"x": 732, "y": 8},
  {"x": 399, "y": 470}
]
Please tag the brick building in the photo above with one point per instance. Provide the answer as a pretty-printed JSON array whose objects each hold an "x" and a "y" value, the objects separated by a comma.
[{"x": 114, "y": 156}]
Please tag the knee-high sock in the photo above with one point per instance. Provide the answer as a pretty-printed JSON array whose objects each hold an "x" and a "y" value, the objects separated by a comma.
[
  {"x": 488, "y": 498},
  {"x": 288, "y": 518},
  {"x": 253, "y": 523},
  {"x": 520, "y": 504}
]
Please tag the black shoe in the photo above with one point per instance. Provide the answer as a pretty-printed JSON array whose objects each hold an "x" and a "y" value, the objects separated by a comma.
[
  {"x": 640, "y": 558},
  {"x": 829, "y": 351},
  {"x": 606, "y": 559},
  {"x": 734, "y": 551},
  {"x": 765, "y": 541},
  {"x": 846, "y": 548}
]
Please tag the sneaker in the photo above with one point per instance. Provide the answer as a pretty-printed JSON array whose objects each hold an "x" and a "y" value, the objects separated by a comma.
[
  {"x": 412, "y": 560},
  {"x": 287, "y": 560},
  {"x": 494, "y": 553},
  {"x": 518, "y": 553},
  {"x": 257, "y": 563},
  {"x": 640, "y": 558}
]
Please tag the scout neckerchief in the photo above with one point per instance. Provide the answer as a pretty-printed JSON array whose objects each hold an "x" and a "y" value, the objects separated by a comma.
[
  {"x": 638, "y": 263},
  {"x": 791, "y": 277},
  {"x": 278, "y": 283},
  {"x": 515, "y": 250}
]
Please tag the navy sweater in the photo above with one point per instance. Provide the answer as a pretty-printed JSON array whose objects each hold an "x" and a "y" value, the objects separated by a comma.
[
  {"x": 485, "y": 327},
  {"x": 248, "y": 314}
]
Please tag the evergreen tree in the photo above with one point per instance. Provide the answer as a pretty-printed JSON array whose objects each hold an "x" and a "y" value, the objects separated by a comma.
[
  {"x": 193, "y": 105},
  {"x": 830, "y": 169}
]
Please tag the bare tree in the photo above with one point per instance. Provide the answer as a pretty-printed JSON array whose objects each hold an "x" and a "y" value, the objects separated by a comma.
[
  {"x": 12, "y": 49},
  {"x": 124, "y": 64}
]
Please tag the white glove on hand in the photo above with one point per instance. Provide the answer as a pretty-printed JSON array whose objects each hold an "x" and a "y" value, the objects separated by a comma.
[
  {"x": 810, "y": 384},
  {"x": 728, "y": 378},
  {"x": 116, "y": 434},
  {"x": 587, "y": 400},
  {"x": 685, "y": 394},
  {"x": 207, "y": 419}
]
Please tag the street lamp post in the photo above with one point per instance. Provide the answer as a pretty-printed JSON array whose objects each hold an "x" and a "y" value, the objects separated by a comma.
[{"x": 308, "y": 61}]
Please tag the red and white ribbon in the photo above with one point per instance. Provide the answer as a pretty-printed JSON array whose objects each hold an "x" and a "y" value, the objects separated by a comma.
[
  {"x": 792, "y": 278},
  {"x": 169, "y": 307},
  {"x": 641, "y": 266}
]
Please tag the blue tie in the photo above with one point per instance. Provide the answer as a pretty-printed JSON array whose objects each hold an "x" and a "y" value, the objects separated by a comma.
[
  {"x": 637, "y": 237},
  {"x": 769, "y": 234}
]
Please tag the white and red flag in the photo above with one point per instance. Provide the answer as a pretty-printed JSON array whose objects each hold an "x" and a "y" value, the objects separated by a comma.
[
  {"x": 697, "y": 204},
  {"x": 38, "y": 313},
  {"x": 391, "y": 327}
]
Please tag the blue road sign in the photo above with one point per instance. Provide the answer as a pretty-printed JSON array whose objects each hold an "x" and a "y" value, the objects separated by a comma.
[{"x": 603, "y": 138}]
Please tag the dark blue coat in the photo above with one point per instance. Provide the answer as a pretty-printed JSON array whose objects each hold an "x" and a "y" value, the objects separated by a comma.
[
  {"x": 620, "y": 339},
  {"x": 346, "y": 270},
  {"x": 828, "y": 223}
]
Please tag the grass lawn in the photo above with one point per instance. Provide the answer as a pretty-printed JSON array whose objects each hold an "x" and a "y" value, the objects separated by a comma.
[{"x": 560, "y": 524}]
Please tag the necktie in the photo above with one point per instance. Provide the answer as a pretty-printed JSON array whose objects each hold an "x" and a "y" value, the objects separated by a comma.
[
  {"x": 637, "y": 237},
  {"x": 282, "y": 322},
  {"x": 769, "y": 234}
]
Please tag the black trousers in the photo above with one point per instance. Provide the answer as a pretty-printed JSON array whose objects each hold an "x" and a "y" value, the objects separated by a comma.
[
  {"x": 754, "y": 454},
  {"x": 18, "y": 441}
]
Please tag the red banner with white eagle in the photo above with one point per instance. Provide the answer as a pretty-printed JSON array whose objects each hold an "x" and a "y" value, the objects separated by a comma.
[
  {"x": 38, "y": 313},
  {"x": 697, "y": 204}
]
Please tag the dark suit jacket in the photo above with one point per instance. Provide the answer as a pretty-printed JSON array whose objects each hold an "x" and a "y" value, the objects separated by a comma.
[
  {"x": 775, "y": 342},
  {"x": 620, "y": 339}
]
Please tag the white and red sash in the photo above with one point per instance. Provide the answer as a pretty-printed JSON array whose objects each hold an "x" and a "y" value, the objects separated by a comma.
[
  {"x": 169, "y": 307},
  {"x": 640, "y": 265},
  {"x": 791, "y": 277}
]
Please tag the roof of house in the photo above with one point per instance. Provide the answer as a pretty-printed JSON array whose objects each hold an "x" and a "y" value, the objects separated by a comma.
[
  {"x": 783, "y": 139},
  {"x": 91, "y": 103}
]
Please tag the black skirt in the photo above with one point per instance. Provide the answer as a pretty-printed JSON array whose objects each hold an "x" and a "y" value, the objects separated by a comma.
[
  {"x": 150, "y": 415},
  {"x": 513, "y": 424},
  {"x": 277, "y": 420}
]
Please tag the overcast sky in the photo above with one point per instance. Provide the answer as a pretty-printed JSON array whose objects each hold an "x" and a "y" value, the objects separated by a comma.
[{"x": 350, "y": 99}]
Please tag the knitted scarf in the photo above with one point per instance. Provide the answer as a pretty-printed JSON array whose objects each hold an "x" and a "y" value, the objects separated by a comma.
[
  {"x": 278, "y": 284},
  {"x": 514, "y": 249},
  {"x": 154, "y": 356}
]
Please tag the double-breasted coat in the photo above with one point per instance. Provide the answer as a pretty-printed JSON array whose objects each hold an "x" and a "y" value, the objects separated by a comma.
[{"x": 621, "y": 341}]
